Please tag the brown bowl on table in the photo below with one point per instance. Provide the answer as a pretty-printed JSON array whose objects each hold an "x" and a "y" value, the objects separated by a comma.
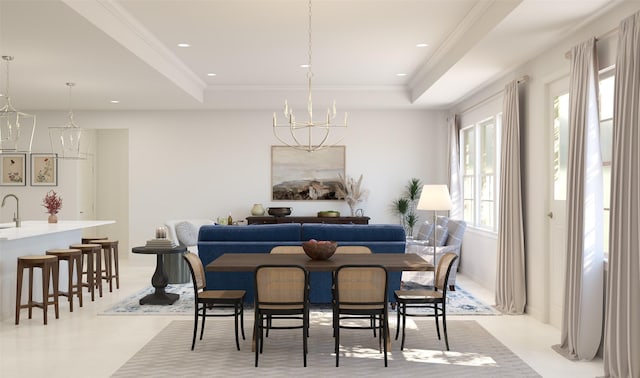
[{"x": 319, "y": 250}]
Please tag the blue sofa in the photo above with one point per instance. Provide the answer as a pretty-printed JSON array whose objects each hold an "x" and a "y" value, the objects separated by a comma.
[{"x": 215, "y": 240}]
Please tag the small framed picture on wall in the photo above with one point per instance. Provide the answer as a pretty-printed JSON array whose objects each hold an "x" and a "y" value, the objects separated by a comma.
[
  {"x": 44, "y": 170},
  {"x": 13, "y": 169}
]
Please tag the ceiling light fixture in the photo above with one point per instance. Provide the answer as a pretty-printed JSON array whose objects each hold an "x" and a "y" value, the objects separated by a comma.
[
  {"x": 317, "y": 133},
  {"x": 184, "y": 45},
  {"x": 70, "y": 141},
  {"x": 422, "y": 45},
  {"x": 16, "y": 128}
]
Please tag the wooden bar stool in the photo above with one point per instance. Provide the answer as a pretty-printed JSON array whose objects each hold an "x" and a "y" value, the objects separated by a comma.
[
  {"x": 92, "y": 252},
  {"x": 72, "y": 257},
  {"x": 89, "y": 240},
  {"x": 110, "y": 269},
  {"x": 49, "y": 267}
]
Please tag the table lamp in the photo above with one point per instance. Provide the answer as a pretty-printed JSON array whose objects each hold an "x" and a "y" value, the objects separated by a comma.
[{"x": 434, "y": 198}]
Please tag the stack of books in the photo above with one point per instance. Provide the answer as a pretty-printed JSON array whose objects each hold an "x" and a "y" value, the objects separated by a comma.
[{"x": 160, "y": 243}]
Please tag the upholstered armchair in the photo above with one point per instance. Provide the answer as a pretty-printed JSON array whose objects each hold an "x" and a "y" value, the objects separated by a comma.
[{"x": 449, "y": 234}]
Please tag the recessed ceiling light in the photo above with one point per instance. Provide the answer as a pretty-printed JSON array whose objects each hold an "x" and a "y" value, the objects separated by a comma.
[
  {"x": 115, "y": 101},
  {"x": 211, "y": 74},
  {"x": 183, "y": 45},
  {"x": 422, "y": 45},
  {"x": 401, "y": 74},
  {"x": 304, "y": 66}
]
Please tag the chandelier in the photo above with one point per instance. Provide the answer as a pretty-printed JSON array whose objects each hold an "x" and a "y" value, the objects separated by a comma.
[
  {"x": 67, "y": 141},
  {"x": 307, "y": 135},
  {"x": 16, "y": 128}
]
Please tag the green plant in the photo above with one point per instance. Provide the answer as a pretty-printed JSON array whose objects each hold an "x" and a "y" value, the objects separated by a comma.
[{"x": 405, "y": 206}]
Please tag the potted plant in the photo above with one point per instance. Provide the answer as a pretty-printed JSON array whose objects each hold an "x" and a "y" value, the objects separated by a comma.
[
  {"x": 405, "y": 206},
  {"x": 53, "y": 203}
]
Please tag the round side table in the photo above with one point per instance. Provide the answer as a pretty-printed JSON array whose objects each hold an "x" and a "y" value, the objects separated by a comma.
[{"x": 159, "y": 279}]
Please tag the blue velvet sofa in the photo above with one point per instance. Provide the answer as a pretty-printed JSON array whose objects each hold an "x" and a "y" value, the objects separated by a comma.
[{"x": 215, "y": 240}]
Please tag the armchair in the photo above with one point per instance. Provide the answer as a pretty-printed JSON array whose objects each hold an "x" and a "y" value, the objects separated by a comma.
[{"x": 449, "y": 234}]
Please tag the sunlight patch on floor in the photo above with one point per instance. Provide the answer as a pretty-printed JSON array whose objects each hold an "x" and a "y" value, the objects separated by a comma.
[{"x": 448, "y": 357}]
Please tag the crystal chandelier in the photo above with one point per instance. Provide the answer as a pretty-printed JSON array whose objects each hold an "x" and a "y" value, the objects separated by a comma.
[
  {"x": 67, "y": 141},
  {"x": 307, "y": 135},
  {"x": 16, "y": 128}
]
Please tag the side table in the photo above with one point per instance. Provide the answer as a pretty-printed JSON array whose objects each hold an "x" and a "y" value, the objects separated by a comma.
[{"x": 159, "y": 279}]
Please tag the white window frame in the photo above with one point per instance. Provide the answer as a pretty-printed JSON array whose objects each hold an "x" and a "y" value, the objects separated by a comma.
[{"x": 478, "y": 174}]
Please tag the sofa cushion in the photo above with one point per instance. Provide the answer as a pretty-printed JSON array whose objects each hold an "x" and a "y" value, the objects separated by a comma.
[
  {"x": 187, "y": 233},
  {"x": 251, "y": 233}
]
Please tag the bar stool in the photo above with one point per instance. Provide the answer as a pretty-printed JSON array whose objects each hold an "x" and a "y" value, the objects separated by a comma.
[
  {"x": 72, "y": 257},
  {"x": 110, "y": 252},
  {"x": 89, "y": 240},
  {"x": 93, "y": 267},
  {"x": 49, "y": 267}
]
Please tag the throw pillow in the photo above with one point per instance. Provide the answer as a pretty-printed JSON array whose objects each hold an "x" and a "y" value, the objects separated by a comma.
[
  {"x": 187, "y": 234},
  {"x": 424, "y": 233},
  {"x": 441, "y": 237}
]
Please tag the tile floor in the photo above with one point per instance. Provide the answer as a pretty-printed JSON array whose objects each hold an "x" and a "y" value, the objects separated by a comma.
[{"x": 85, "y": 344}]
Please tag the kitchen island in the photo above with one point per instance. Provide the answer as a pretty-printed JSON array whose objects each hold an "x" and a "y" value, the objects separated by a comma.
[{"x": 33, "y": 238}]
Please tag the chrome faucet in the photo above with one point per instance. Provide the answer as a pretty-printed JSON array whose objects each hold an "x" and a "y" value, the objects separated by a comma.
[{"x": 16, "y": 215}]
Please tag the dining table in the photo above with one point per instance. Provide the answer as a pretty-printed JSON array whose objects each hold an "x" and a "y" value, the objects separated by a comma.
[
  {"x": 243, "y": 262},
  {"x": 246, "y": 262}
]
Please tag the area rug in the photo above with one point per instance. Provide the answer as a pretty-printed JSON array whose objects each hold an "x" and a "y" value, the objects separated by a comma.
[
  {"x": 473, "y": 353},
  {"x": 460, "y": 302}
]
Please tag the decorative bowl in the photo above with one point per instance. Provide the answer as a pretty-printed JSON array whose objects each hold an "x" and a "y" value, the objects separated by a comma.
[
  {"x": 279, "y": 211},
  {"x": 328, "y": 214},
  {"x": 319, "y": 250}
]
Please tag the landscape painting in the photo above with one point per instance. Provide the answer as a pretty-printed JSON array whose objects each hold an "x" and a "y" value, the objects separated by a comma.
[{"x": 306, "y": 176}]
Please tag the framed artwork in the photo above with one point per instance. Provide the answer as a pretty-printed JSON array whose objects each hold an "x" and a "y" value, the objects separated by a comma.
[
  {"x": 306, "y": 176},
  {"x": 44, "y": 170},
  {"x": 13, "y": 169}
]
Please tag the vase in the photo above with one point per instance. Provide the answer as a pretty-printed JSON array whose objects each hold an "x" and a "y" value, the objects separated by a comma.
[
  {"x": 52, "y": 218},
  {"x": 257, "y": 210}
]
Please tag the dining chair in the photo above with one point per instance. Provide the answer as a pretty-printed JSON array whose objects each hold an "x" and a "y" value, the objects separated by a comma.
[
  {"x": 353, "y": 249},
  {"x": 361, "y": 293},
  {"x": 281, "y": 292},
  {"x": 287, "y": 249},
  {"x": 212, "y": 299},
  {"x": 435, "y": 299}
]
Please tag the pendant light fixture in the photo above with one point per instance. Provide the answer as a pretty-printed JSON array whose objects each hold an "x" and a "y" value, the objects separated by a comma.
[
  {"x": 16, "y": 128},
  {"x": 69, "y": 142},
  {"x": 307, "y": 135}
]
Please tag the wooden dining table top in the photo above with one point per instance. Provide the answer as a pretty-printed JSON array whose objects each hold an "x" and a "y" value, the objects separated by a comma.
[{"x": 245, "y": 262}]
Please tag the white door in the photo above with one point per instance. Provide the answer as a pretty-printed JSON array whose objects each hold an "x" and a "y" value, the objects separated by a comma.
[{"x": 559, "y": 139}]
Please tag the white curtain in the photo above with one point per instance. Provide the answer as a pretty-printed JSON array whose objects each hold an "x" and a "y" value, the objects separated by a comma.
[
  {"x": 511, "y": 294},
  {"x": 622, "y": 324},
  {"x": 455, "y": 179},
  {"x": 581, "y": 330}
]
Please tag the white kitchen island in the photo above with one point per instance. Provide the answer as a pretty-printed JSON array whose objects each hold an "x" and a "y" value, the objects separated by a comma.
[{"x": 33, "y": 238}]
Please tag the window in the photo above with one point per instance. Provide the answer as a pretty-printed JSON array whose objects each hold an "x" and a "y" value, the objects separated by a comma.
[
  {"x": 479, "y": 166},
  {"x": 561, "y": 136},
  {"x": 606, "y": 146}
]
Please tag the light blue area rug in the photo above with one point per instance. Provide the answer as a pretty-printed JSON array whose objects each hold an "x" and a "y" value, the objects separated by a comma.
[{"x": 461, "y": 302}]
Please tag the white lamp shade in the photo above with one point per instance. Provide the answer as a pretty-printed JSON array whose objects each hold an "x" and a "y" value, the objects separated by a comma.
[{"x": 434, "y": 197}]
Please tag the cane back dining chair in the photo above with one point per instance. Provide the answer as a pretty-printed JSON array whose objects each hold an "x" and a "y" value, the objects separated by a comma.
[
  {"x": 361, "y": 293},
  {"x": 435, "y": 299},
  {"x": 212, "y": 299},
  {"x": 281, "y": 292}
]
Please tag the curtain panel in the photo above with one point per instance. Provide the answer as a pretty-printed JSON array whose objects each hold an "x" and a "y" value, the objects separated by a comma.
[
  {"x": 622, "y": 323},
  {"x": 455, "y": 179},
  {"x": 511, "y": 295},
  {"x": 581, "y": 330}
]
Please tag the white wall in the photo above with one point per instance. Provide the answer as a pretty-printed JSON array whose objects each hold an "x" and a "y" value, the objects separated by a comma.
[
  {"x": 547, "y": 67},
  {"x": 204, "y": 164}
]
